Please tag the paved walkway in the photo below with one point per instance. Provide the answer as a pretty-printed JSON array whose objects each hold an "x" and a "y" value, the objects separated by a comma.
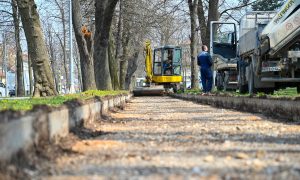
[{"x": 165, "y": 138}]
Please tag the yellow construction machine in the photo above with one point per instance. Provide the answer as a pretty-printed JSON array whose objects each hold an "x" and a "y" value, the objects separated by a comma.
[{"x": 163, "y": 70}]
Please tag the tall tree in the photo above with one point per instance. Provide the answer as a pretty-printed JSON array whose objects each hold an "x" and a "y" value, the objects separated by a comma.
[
  {"x": 103, "y": 18},
  {"x": 213, "y": 15},
  {"x": 51, "y": 50},
  {"x": 63, "y": 41},
  {"x": 127, "y": 18},
  {"x": 113, "y": 64},
  {"x": 44, "y": 83},
  {"x": 20, "y": 89},
  {"x": 193, "y": 39},
  {"x": 86, "y": 53}
]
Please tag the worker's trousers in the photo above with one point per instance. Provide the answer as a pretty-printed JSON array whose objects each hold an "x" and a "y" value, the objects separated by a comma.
[{"x": 206, "y": 79}]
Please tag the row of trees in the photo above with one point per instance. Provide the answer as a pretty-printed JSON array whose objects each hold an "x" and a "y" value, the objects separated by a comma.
[{"x": 109, "y": 48}]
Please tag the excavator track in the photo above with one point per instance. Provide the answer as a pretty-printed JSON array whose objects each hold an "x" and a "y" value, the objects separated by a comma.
[{"x": 149, "y": 91}]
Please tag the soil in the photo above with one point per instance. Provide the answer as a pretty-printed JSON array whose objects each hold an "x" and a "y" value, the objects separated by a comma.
[{"x": 167, "y": 138}]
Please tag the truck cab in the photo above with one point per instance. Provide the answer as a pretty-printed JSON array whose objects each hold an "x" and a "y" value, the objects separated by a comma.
[{"x": 223, "y": 49}]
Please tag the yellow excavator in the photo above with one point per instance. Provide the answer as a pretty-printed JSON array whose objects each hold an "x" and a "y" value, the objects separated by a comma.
[{"x": 163, "y": 70}]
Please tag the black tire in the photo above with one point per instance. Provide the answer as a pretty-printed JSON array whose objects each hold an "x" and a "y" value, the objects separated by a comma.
[
  {"x": 225, "y": 86},
  {"x": 298, "y": 89},
  {"x": 243, "y": 89},
  {"x": 268, "y": 90},
  {"x": 251, "y": 85},
  {"x": 219, "y": 82}
]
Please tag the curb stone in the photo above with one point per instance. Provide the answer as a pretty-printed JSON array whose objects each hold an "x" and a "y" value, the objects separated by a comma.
[
  {"x": 283, "y": 109},
  {"x": 22, "y": 133}
]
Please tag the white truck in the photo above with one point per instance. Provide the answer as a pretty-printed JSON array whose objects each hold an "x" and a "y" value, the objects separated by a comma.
[{"x": 268, "y": 51}]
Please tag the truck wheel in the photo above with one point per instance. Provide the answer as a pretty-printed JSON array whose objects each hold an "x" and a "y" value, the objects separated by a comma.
[
  {"x": 225, "y": 86},
  {"x": 251, "y": 86},
  {"x": 219, "y": 81},
  {"x": 298, "y": 89},
  {"x": 243, "y": 89},
  {"x": 268, "y": 90},
  {"x": 0, "y": 94}
]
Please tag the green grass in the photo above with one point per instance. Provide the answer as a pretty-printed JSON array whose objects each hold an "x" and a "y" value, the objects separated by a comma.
[
  {"x": 288, "y": 92},
  {"x": 27, "y": 104}
]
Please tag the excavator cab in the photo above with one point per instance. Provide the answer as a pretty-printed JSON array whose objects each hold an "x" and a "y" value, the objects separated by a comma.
[
  {"x": 163, "y": 70},
  {"x": 167, "y": 65}
]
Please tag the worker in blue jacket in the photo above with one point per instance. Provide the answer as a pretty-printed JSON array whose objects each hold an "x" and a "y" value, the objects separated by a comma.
[{"x": 205, "y": 63}]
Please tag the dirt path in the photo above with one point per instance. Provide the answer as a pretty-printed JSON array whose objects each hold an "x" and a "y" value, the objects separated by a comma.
[{"x": 165, "y": 138}]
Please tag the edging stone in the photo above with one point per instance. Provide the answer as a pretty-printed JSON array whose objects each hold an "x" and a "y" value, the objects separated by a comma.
[
  {"x": 21, "y": 133},
  {"x": 286, "y": 109}
]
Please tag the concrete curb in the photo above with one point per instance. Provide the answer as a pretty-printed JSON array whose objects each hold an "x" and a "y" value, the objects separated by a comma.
[
  {"x": 284, "y": 109},
  {"x": 26, "y": 131}
]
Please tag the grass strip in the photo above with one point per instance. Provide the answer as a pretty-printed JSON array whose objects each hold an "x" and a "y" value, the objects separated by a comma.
[
  {"x": 27, "y": 104},
  {"x": 282, "y": 93}
]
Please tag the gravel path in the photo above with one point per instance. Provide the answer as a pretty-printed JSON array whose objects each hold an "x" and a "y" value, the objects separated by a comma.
[{"x": 165, "y": 138}]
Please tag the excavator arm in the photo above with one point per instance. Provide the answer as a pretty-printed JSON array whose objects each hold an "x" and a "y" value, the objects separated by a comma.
[{"x": 148, "y": 62}]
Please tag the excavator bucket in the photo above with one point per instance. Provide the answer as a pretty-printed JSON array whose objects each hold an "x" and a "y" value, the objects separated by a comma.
[{"x": 149, "y": 91}]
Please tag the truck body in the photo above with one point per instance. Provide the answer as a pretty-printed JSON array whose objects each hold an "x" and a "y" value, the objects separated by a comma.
[{"x": 268, "y": 50}]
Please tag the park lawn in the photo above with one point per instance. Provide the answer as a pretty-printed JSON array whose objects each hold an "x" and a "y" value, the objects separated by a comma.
[{"x": 27, "y": 104}]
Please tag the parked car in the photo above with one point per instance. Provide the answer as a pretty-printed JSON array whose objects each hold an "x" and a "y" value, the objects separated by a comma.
[
  {"x": 2, "y": 89},
  {"x": 12, "y": 92}
]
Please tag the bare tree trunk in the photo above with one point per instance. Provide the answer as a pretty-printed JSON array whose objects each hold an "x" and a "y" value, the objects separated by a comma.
[
  {"x": 30, "y": 75},
  {"x": 124, "y": 60},
  {"x": 126, "y": 37},
  {"x": 104, "y": 14},
  {"x": 132, "y": 67},
  {"x": 86, "y": 55},
  {"x": 63, "y": 41},
  {"x": 20, "y": 89},
  {"x": 213, "y": 15},
  {"x": 78, "y": 65},
  {"x": 44, "y": 83},
  {"x": 113, "y": 63},
  {"x": 119, "y": 32},
  {"x": 202, "y": 23},
  {"x": 194, "y": 68},
  {"x": 51, "y": 51}
]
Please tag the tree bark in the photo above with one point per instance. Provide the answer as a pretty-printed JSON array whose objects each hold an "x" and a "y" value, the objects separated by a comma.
[
  {"x": 103, "y": 19},
  {"x": 126, "y": 37},
  {"x": 132, "y": 67},
  {"x": 119, "y": 31},
  {"x": 113, "y": 63},
  {"x": 193, "y": 38},
  {"x": 44, "y": 83},
  {"x": 30, "y": 75},
  {"x": 124, "y": 60},
  {"x": 86, "y": 55},
  {"x": 51, "y": 51},
  {"x": 213, "y": 15},
  {"x": 202, "y": 23},
  {"x": 20, "y": 89}
]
